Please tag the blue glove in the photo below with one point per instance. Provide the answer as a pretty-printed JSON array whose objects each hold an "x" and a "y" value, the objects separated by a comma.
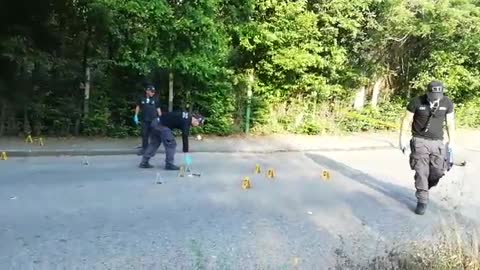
[
  {"x": 135, "y": 119},
  {"x": 188, "y": 159}
]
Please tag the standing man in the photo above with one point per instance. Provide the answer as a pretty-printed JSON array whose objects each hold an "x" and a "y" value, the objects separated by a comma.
[
  {"x": 149, "y": 107},
  {"x": 426, "y": 116},
  {"x": 162, "y": 133}
]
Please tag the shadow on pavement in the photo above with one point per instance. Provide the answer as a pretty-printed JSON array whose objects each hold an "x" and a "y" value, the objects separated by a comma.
[{"x": 395, "y": 192}]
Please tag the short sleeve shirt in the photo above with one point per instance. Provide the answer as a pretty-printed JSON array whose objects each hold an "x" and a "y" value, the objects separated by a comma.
[
  {"x": 420, "y": 107},
  {"x": 148, "y": 108}
]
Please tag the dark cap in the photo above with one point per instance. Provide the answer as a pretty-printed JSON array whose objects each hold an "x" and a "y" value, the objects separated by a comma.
[
  {"x": 150, "y": 87},
  {"x": 435, "y": 90}
]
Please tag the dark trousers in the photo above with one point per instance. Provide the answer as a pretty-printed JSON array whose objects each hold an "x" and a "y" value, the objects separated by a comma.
[
  {"x": 428, "y": 159},
  {"x": 146, "y": 132},
  {"x": 158, "y": 136}
]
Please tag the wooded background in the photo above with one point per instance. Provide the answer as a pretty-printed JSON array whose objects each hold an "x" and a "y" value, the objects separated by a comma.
[{"x": 76, "y": 67}]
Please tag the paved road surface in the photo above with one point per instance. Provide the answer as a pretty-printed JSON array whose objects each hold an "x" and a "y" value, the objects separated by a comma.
[{"x": 56, "y": 213}]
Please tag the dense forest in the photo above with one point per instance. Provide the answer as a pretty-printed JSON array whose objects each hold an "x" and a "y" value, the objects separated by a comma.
[{"x": 76, "y": 67}]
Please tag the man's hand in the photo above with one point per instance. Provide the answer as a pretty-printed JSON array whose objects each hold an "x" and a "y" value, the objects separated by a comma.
[
  {"x": 404, "y": 143},
  {"x": 188, "y": 159},
  {"x": 135, "y": 119}
]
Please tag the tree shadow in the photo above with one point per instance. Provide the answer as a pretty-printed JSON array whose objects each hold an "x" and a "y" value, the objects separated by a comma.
[{"x": 400, "y": 194}]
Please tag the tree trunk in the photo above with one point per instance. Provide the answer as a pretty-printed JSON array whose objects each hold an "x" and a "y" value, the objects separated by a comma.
[
  {"x": 3, "y": 117},
  {"x": 376, "y": 92},
  {"x": 26, "y": 123},
  {"x": 359, "y": 99},
  {"x": 86, "y": 102},
  {"x": 170, "y": 91}
]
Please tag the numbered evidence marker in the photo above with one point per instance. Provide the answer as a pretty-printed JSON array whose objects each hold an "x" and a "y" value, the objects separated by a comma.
[
  {"x": 258, "y": 169},
  {"x": 271, "y": 174},
  {"x": 246, "y": 183},
  {"x": 326, "y": 175},
  {"x": 4, "y": 156},
  {"x": 29, "y": 139}
]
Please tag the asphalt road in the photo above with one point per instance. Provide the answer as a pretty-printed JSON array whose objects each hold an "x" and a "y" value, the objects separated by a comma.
[{"x": 56, "y": 213}]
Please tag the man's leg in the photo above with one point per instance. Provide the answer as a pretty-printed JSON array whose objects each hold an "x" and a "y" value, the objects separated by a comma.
[
  {"x": 420, "y": 162},
  {"x": 170, "y": 145},
  {"x": 146, "y": 132},
  {"x": 438, "y": 163},
  {"x": 155, "y": 141}
]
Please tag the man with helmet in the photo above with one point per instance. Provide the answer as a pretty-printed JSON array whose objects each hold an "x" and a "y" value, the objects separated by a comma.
[
  {"x": 149, "y": 107},
  {"x": 162, "y": 133},
  {"x": 425, "y": 116}
]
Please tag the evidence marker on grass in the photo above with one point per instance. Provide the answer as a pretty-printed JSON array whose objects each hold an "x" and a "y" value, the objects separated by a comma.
[
  {"x": 326, "y": 176},
  {"x": 246, "y": 183},
  {"x": 4, "y": 156}
]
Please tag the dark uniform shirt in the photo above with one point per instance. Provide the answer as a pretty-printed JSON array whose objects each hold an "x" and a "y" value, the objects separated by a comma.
[
  {"x": 148, "y": 108},
  {"x": 181, "y": 121},
  {"x": 420, "y": 106}
]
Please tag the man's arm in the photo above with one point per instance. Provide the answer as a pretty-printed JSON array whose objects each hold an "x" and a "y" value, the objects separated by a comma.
[
  {"x": 451, "y": 127},
  {"x": 137, "y": 110},
  {"x": 405, "y": 128},
  {"x": 159, "y": 111}
]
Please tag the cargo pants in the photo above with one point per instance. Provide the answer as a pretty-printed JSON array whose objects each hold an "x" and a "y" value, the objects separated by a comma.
[
  {"x": 428, "y": 160},
  {"x": 161, "y": 134}
]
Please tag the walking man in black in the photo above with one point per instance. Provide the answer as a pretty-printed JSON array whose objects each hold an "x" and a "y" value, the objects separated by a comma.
[
  {"x": 426, "y": 116},
  {"x": 149, "y": 107},
  {"x": 162, "y": 133}
]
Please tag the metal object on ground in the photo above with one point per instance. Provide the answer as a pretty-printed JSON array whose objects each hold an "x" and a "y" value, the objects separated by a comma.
[{"x": 246, "y": 183}]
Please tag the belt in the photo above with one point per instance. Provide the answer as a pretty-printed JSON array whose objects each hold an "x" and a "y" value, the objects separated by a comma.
[{"x": 426, "y": 138}]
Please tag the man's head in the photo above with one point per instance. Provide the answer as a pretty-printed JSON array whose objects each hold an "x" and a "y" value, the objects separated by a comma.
[
  {"x": 198, "y": 120},
  {"x": 150, "y": 90},
  {"x": 435, "y": 91}
]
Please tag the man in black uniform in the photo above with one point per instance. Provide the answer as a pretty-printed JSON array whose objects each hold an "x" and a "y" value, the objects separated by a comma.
[
  {"x": 162, "y": 133},
  {"x": 149, "y": 106},
  {"x": 426, "y": 116}
]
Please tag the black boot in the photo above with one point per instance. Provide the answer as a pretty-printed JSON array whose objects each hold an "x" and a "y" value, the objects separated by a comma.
[
  {"x": 145, "y": 164},
  {"x": 171, "y": 167},
  {"x": 421, "y": 208}
]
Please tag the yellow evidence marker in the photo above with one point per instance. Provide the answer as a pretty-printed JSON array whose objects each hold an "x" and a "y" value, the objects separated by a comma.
[
  {"x": 271, "y": 173},
  {"x": 4, "y": 156},
  {"x": 246, "y": 183},
  {"x": 326, "y": 175},
  {"x": 40, "y": 141},
  {"x": 258, "y": 169},
  {"x": 29, "y": 139}
]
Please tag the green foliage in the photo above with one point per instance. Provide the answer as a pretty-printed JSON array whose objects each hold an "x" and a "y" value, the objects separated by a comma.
[{"x": 303, "y": 61}]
